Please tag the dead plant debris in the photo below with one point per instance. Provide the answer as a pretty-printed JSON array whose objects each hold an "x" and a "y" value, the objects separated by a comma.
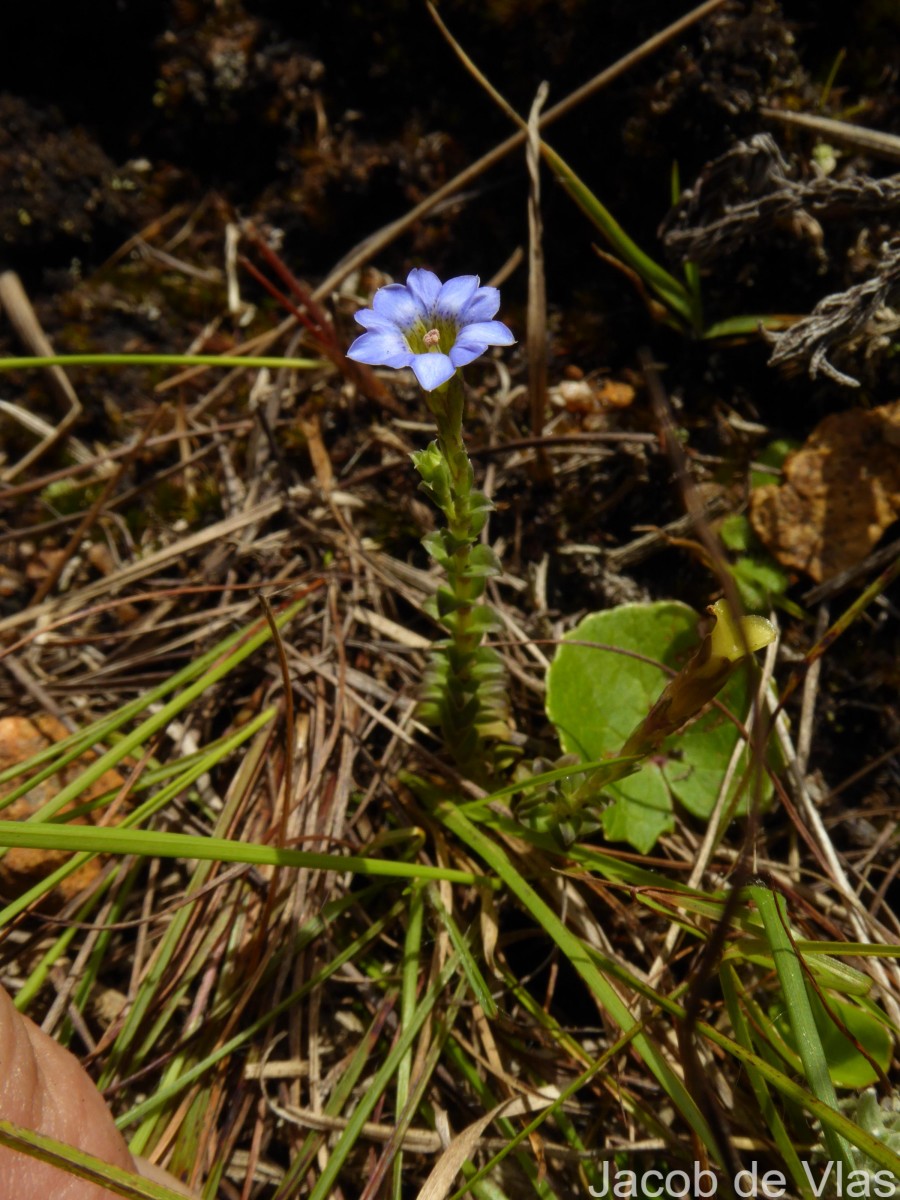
[
  {"x": 752, "y": 188},
  {"x": 859, "y": 319}
]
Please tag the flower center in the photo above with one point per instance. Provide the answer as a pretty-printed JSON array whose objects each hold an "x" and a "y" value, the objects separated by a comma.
[{"x": 430, "y": 334}]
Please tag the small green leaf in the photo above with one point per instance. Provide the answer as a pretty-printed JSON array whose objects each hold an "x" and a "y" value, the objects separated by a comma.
[
  {"x": 772, "y": 456},
  {"x": 483, "y": 562},
  {"x": 434, "y": 544},
  {"x": 483, "y": 619},
  {"x": 736, "y": 533},
  {"x": 447, "y": 602},
  {"x": 759, "y": 582}
]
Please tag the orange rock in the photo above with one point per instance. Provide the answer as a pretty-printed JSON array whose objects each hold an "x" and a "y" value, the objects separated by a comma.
[
  {"x": 21, "y": 868},
  {"x": 840, "y": 493}
]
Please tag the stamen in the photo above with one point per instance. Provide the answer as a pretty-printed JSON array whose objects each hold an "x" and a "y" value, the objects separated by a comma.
[{"x": 432, "y": 338}]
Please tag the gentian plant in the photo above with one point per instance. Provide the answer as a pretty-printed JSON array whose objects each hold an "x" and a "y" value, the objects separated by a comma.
[{"x": 437, "y": 329}]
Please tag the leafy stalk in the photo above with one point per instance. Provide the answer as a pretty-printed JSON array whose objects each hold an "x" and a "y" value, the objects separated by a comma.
[{"x": 464, "y": 687}]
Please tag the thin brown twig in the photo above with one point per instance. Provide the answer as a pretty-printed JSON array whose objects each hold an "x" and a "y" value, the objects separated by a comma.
[
  {"x": 536, "y": 327},
  {"x": 116, "y": 503},
  {"x": 289, "y": 747},
  {"x": 94, "y": 511},
  {"x": 74, "y": 470},
  {"x": 874, "y": 141},
  {"x": 148, "y": 597},
  {"x": 24, "y": 321}
]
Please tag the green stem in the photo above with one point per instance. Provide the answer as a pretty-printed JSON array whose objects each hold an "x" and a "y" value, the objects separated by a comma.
[
  {"x": 773, "y": 911},
  {"x": 156, "y": 360}
]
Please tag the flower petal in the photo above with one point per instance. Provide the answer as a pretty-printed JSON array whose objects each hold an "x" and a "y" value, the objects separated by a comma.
[
  {"x": 482, "y": 306},
  {"x": 454, "y": 296},
  {"x": 424, "y": 286},
  {"x": 473, "y": 340},
  {"x": 462, "y": 353},
  {"x": 491, "y": 333},
  {"x": 381, "y": 350},
  {"x": 432, "y": 370},
  {"x": 373, "y": 322},
  {"x": 397, "y": 304}
]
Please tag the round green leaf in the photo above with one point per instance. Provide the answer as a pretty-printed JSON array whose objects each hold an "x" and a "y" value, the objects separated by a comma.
[{"x": 596, "y": 695}]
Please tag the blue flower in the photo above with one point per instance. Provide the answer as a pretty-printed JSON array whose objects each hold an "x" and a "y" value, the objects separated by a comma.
[{"x": 429, "y": 326}]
